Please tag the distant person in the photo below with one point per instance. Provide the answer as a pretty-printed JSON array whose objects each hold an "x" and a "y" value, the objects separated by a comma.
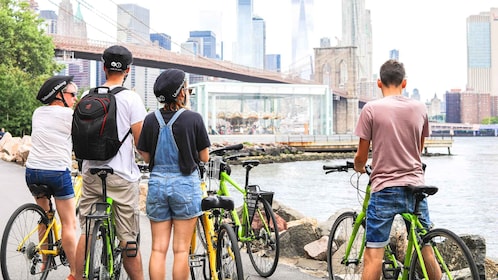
[
  {"x": 2, "y": 132},
  {"x": 50, "y": 158},
  {"x": 173, "y": 141},
  {"x": 396, "y": 126},
  {"x": 123, "y": 185}
]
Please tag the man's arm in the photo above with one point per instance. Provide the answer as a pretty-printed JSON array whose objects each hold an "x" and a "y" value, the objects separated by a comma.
[{"x": 361, "y": 157}]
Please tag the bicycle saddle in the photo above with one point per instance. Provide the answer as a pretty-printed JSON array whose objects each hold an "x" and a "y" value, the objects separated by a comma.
[
  {"x": 40, "y": 191},
  {"x": 428, "y": 190},
  {"x": 253, "y": 162},
  {"x": 101, "y": 170},
  {"x": 217, "y": 201}
]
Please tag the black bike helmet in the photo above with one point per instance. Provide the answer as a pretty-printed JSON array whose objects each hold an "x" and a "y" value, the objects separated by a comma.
[
  {"x": 117, "y": 58},
  {"x": 51, "y": 87},
  {"x": 169, "y": 84}
]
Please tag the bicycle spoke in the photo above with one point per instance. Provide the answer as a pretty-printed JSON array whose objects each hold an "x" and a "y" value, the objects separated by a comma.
[
  {"x": 263, "y": 250},
  {"x": 228, "y": 261},
  {"x": 454, "y": 259},
  {"x": 20, "y": 256},
  {"x": 339, "y": 265}
]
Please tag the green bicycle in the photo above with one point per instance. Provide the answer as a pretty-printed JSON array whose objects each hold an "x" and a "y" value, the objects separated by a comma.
[
  {"x": 346, "y": 243},
  {"x": 256, "y": 225},
  {"x": 104, "y": 255}
]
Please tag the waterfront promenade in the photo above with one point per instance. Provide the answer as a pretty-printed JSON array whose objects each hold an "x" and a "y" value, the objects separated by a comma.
[
  {"x": 322, "y": 143},
  {"x": 14, "y": 193}
]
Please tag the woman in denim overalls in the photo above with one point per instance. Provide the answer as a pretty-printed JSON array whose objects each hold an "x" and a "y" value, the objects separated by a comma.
[{"x": 173, "y": 141}]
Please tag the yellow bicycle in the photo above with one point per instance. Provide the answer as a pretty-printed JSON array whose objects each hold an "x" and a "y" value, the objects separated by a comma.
[
  {"x": 214, "y": 251},
  {"x": 31, "y": 240}
]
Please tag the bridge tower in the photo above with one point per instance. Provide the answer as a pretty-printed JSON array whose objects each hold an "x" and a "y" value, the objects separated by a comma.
[{"x": 337, "y": 68}]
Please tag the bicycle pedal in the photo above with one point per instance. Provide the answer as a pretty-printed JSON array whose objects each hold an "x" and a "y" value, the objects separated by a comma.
[
  {"x": 131, "y": 251},
  {"x": 390, "y": 272}
]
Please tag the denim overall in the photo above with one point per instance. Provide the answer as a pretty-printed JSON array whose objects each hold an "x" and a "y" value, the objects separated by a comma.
[{"x": 171, "y": 194}]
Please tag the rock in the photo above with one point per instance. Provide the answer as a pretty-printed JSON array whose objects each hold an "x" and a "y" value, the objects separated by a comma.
[
  {"x": 317, "y": 249},
  {"x": 298, "y": 234},
  {"x": 288, "y": 214}
]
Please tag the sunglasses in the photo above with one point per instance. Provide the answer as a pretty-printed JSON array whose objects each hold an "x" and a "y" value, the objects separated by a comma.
[{"x": 74, "y": 94}]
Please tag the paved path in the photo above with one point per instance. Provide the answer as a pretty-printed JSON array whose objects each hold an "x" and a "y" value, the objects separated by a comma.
[{"x": 13, "y": 193}]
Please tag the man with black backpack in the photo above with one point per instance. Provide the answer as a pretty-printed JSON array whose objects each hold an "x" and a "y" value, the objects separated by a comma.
[{"x": 124, "y": 123}]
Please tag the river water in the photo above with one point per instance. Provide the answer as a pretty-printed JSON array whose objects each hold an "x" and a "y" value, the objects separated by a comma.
[{"x": 466, "y": 202}]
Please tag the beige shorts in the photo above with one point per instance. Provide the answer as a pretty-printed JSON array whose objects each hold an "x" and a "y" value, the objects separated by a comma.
[{"x": 125, "y": 195}]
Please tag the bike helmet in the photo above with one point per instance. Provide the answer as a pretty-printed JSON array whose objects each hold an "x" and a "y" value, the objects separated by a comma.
[
  {"x": 51, "y": 87},
  {"x": 169, "y": 84},
  {"x": 117, "y": 58}
]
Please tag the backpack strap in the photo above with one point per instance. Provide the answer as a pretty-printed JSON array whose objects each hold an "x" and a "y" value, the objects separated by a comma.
[{"x": 115, "y": 91}]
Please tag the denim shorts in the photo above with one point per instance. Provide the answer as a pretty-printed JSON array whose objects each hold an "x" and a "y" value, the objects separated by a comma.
[
  {"x": 172, "y": 195},
  {"x": 59, "y": 181},
  {"x": 382, "y": 208}
]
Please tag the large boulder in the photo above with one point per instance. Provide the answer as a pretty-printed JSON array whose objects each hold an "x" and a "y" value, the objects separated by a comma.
[
  {"x": 317, "y": 249},
  {"x": 285, "y": 212},
  {"x": 298, "y": 234}
]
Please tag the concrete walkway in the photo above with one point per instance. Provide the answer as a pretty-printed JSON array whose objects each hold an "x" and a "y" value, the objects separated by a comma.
[{"x": 14, "y": 193}]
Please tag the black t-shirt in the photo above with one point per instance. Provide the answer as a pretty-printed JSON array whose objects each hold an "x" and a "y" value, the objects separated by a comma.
[{"x": 190, "y": 136}]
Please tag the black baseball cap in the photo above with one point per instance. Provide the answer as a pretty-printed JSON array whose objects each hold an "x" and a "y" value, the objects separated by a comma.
[
  {"x": 117, "y": 58},
  {"x": 168, "y": 85}
]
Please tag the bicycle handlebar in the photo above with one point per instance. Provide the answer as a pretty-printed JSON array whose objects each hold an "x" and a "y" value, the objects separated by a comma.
[
  {"x": 344, "y": 168},
  {"x": 222, "y": 151}
]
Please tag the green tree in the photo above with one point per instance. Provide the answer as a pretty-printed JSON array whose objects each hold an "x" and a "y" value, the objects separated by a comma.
[
  {"x": 26, "y": 60},
  {"x": 490, "y": 120}
]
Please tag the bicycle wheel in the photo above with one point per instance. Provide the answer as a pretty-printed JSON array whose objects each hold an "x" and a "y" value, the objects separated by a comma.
[
  {"x": 20, "y": 257},
  {"x": 453, "y": 256},
  {"x": 338, "y": 266},
  {"x": 228, "y": 261},
  {"x": 97, "y": 266},
  {"x": 198, "y": 259},
  {"x": 264, "y": 249}
]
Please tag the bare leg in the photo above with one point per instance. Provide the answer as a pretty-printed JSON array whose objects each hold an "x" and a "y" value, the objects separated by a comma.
[
  {"x": 182, "y": 236},
  {"x": 161, "y": 233},
  {"x": 80, "y": 257},
  {"x": 373, "y": 263},
  {"x": 133, "y": 266},
  {"x": 433, "y": 269},
  {"x": 67, "y": 214}
]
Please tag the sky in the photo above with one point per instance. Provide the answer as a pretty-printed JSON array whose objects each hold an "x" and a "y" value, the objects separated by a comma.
[{"x": 429, "y": 34}]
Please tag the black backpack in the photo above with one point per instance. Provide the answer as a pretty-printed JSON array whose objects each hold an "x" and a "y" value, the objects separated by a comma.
[{"x": 94, "y": 131}]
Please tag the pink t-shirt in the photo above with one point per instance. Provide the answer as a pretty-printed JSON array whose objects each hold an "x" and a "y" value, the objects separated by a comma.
[{"x": 395, "y": 126}]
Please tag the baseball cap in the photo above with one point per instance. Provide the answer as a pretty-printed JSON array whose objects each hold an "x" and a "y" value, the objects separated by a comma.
[
  {"x": 168, "y": 84},
  {"x": 117, "y": 58}
]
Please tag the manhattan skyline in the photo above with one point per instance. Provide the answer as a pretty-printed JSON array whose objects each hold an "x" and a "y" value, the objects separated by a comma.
[{"x": 430, "y": 36}]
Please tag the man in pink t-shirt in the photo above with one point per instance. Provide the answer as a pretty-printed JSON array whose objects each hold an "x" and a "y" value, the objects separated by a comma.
[{"x": 396, "y": 126}]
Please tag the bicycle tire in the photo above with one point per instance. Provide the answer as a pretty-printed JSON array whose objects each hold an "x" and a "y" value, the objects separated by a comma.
[
  {"x": 198, "y": 259},
  {"x": 340, "y": 234},
  {"x": 264, "y": 249},
  {"x": 454, "y": 253},
  {"x": 97, "y": 267},
  {"x": 25, "y": 263},
  {"x": 228, "y": 261}
]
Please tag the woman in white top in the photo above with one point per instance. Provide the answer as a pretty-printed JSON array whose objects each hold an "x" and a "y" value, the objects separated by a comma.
[{"x": 50, "y": 157}]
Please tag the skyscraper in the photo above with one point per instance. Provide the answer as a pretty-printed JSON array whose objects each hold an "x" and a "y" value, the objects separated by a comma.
[
  {"x": 259, "y": 42},
  {"x": 162, "y": 39},
  {"x": 357, "y": 31},
  {"x": 208, "y": 42},
  {"x": 394, "y": 54},
  {"x": 479, "y": 53},
  {"x": 243, "y": 53},
  {"x": 482, "y": 61},
  {"x": 133, "y": 27},
  {"x": 301, "y": 60}
]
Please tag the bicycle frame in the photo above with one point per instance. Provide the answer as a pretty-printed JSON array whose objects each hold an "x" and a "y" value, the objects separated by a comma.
[
  {"x": 108, "y": 221},
  {"x": 413, "y": 241},
  {"x": 53, "y": 225}
]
